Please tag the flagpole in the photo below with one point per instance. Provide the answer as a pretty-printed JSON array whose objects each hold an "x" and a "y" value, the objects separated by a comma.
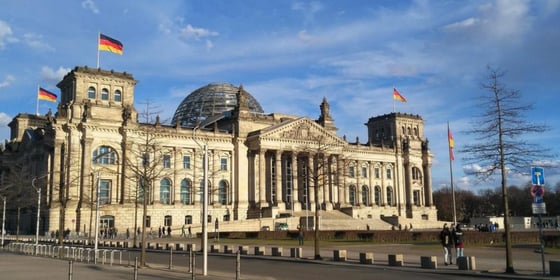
[
  {"x": 393, "y": 95},
  {"x": 451, "y": 174},
  {"x": 37, "y": 109},
  {"x": 98, "y": 36}
]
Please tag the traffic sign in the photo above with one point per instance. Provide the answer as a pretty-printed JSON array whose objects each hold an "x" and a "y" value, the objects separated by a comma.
[
  {"x": 539, "y": 208},
  {"x": 537, "y": 174},
  {"x": 537, "y": 191}
]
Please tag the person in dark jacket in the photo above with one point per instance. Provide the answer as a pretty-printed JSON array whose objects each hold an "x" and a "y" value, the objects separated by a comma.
[
  {"x": 458, "y": 235},
  {"x": 447, "y": 243}
]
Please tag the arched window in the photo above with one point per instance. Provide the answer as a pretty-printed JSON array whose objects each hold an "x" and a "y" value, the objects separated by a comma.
[
  {"x": 416, "y": 173},
  {"x": 117, "y": 97},
  {"x": 223, "y": 192},
  {"x": 104, "y": 94},
  {"x": 165, "y": 191},
  {"x": 104, "y": 155},
  {"x": 91, "y": 93},
  {"x": 352, "y": 195},
  {"x": 209, "y": 200},
  {"x": 186, "y": 190},
  {"x": 365, "y": 195},
  {"x": 389, "y": 196},
  {"x": 377, "y": 195}
]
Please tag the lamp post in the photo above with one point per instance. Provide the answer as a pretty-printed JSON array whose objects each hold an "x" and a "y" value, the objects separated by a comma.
[
  {"x": 98, "y": 192},
  {"x": 3, "y": 220},
  {"x": 204, "y": 205},
  {"x": 38, "y": 189}
]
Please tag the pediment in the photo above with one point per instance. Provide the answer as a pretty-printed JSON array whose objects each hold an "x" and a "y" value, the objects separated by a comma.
[{"x": 301, "y": 130}]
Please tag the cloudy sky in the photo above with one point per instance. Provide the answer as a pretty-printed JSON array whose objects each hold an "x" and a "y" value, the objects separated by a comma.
[{"x": 291, "y": 54}]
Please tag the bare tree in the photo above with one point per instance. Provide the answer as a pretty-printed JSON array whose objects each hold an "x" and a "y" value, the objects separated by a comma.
[
  {"x": 17, "y": 189},
  {"x": 319, "y": 150},
  {"x": 499, "y": 146},
  {"x": 144, "y": 162}
]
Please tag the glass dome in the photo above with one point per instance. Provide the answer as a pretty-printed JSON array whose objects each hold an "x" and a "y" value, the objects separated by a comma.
[{"x": 208, "y": 101}]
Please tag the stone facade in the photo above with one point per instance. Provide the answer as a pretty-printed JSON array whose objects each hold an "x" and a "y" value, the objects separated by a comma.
[{"x": 260, "y": 165}]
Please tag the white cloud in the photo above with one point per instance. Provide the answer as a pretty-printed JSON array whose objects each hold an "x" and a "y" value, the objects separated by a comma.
[
  {"x": 463, "y": 24},
  {"x": 209, "y": 44},
  {"x": 5, "y": 34},
  {"x": 4, "y": 119},
  {"x": 35, "y": 41},
  {"x": 309, "y": 9},
  {"x": 7, "y": 81},
  {"x": 194, "y": 32},
  {"x": 54, "y": 76},
  {"x": 90, "y": 5}
]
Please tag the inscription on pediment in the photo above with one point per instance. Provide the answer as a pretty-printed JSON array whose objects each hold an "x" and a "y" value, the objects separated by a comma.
[{"x": 301, "y": 131}]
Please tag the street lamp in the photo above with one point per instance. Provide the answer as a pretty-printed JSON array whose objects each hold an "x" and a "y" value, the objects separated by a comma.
[
  {"x": 3, "y": 220},
  {"x": 38, "y": 189},
  {"x": 204, "y": 205},
  {"x": 97, "y": 217}
]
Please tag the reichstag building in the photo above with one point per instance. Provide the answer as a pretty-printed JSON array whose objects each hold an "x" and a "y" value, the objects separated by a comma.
[{"x": 100, "y": 154}]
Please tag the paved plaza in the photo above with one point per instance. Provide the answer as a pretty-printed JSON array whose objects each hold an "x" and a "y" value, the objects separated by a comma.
[{"x": 490, "y": 263}]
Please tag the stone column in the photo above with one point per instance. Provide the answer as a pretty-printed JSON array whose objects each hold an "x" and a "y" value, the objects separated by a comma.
[
  {"x": 428, "y": 184},
  {"x": 295, "y": 186},
  {"x": 340, "y": 181},
  {"x": 358, "y": 174},
  {"x": 262, "y": 178},
  {"x": 312, "y": 181},
  {"x": 278, "y": 179}
]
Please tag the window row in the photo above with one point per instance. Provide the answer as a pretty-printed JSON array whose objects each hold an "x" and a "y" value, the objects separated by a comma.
[
  {"x": 116, "y": 97},
  {"x": 107, "y": 155},
  {"x": 186, "y": 192},
  {"x": 168, "y": 221},
  {"x": 364, "y": 172},
  {"x": 377, "y": 196}
]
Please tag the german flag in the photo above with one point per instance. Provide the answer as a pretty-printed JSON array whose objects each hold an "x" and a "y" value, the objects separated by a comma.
[
  {"x": 109, "y": 44},
  {"x": 46, "y": 95}
]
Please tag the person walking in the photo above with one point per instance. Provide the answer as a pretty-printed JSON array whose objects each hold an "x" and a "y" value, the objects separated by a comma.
[
  {"x": 447, "y": 243},
  {"x": 458, "y": 239},
  {"x": 300, "y": 235},
  {"x": 183, "y": 231}
]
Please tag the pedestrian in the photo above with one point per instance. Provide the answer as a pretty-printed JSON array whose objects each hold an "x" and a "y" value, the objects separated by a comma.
[
  {"x": 300, "y": 236},
  {"x": 159, "y": 232},
  {"x": 168, "y": 231},
  {"x": 127, "y": 233},
  {"x": 183, "y": 231},
  {"x": 138, "y": 232},
  {"x": 190, "y": 233},
  {"x": 458, "y": 235},
  {"x": 446, "y": 242}
]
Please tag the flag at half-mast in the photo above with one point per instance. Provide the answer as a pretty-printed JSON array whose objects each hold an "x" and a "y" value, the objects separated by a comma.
[
  {"x": 46, "y": 95},
  {"x": 398, "y": 96},
  {"x": 451, "y": 144},
  {"x": 109, "y": 44}
]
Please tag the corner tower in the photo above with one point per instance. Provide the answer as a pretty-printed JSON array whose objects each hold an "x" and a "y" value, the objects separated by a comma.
[{"x": 89, "y": 93}]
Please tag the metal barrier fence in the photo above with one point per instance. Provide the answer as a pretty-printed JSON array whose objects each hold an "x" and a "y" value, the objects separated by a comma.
[{"x": 67, "y": 252}]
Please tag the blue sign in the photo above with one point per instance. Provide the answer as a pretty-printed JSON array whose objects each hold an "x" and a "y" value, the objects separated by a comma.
[{"x": 537, "y": 174}]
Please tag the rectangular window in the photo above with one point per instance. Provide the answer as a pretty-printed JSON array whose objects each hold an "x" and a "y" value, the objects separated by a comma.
[
  {"x": 223, "y": 164},
  {"x": 166, "y": 161},
  {"x": 148, "y": 221},
  {"x": 104, "y": 191},
  {"x": 364, "y": 172},
  {"x": 167, "y": 221},
  {"x": 377, "y": 175},
  {"x": 186, "y": 162},
  {"x": 389, "y": 173},
  {"x": 351, "y": 172},
  {"x": 188, "y": 219}
]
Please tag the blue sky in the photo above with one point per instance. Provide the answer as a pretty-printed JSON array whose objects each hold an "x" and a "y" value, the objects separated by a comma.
[{"x": 291, "y": 54}]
